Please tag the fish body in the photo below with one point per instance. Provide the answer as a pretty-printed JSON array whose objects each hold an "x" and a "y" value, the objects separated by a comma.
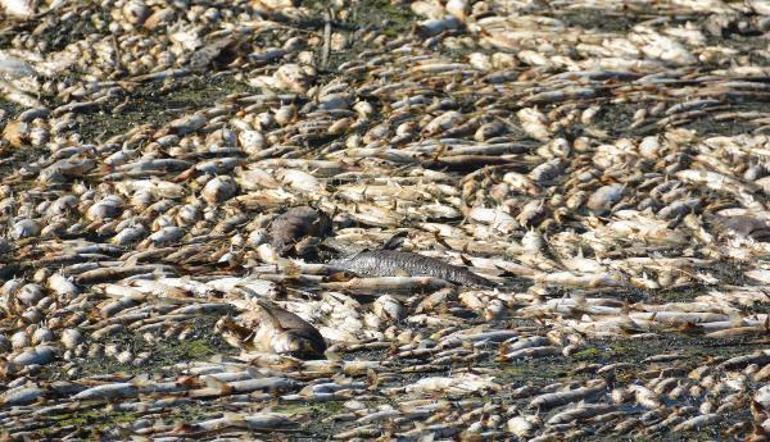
[{"x": 398, "y": 263}]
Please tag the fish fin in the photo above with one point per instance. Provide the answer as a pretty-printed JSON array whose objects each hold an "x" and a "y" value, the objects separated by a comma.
[
  {"x": 394, "y": 241},
  {"x": 184, "y": 176},
  {"x": 291, "y": 268},
  {"x": 439, "y": 152},
  {"x": 441, "y": 240},
  {"x": 505, "y": 273},
  {"x": 215, "y": 383},
  {"x": 338, "y": 277}
]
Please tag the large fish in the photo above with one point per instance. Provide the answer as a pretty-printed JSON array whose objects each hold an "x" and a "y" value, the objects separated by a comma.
[{"x": 398, "y": 263}]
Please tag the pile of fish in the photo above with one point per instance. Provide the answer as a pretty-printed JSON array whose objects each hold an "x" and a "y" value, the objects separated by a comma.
[{"x": 384, "y": 219}]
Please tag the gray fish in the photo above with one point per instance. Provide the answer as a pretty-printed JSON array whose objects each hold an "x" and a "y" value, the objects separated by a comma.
[{"x": 398, "y": 263}]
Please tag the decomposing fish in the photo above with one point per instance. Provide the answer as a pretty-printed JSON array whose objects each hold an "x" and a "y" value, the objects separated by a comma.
[
  {"x": 282, "y": 332},
  {"x": 296, "y": 225}
]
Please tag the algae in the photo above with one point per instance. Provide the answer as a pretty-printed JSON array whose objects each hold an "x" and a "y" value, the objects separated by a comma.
[
  {"x": 201, "y": 345},
  {"x": 156, "y": 104}
]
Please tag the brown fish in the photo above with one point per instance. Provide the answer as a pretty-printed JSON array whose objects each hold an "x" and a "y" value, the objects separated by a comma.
[
  {"x": 296, "y": 224},
  {"x": 284, "y": 332}
]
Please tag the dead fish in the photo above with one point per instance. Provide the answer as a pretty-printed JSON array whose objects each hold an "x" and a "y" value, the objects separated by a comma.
[
  {"x": 604, "y": 198},
  {"x": 398, "y": 263},
  {"x": 294, "y": 225},
  {"x": 39, "y": 355},
  {"x": 108, "y": 391},
  {"x": 742, "y": 225},
  {"x": 22, "y": 396},
  {"x": 284, "y": 332}
]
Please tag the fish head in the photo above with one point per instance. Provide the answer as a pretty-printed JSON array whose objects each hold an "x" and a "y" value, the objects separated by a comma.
[{"x": 299, "y": 345}]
